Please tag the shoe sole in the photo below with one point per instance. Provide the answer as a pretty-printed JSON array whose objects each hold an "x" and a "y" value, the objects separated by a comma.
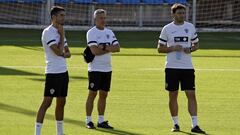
[{"x": 91, "y": 127}]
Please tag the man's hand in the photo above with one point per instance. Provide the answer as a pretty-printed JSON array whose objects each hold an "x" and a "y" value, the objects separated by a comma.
[
  {"x": 61, "y": 30},
  {"x": 187, "y": 50},
  {"x": 102, "y": 47},
  {"x": 178, "y": 48}
]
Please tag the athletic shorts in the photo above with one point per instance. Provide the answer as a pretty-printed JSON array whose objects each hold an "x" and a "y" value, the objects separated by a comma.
[
  {"x": 56, "y": 85},
  {"x": 184, "y": 77},
  {"x": 99, "y": 81}
]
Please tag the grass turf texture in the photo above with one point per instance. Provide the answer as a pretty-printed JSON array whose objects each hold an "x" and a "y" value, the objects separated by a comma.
[{"x": 138, "y": 103}]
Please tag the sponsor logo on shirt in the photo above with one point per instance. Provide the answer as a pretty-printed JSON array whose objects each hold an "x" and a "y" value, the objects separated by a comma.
[{"x": 180, "y": 39}]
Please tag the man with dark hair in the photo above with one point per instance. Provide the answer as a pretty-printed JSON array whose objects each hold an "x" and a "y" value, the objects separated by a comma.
[
  {"x": 179, "y": 39},
  {"x": 56, "y": 85}
]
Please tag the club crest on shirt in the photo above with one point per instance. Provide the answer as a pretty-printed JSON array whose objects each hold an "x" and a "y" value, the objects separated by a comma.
[
  {"x": 186, "y": 30},
  {"x": 52, "y": 91},
  {"x": 108, "y": 36},
  {"x": 91, "y": 85}
]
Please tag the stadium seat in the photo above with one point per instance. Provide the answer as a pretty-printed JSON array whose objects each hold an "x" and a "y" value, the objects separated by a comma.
[
  {"x": 62, "y": 1},
  {"x": 83, "y": 1},
  {"x": 106, "y": 1},
  {"x": 130, "y": 1},
  {"x": 31, "y": 1},
  {"x": 176, "y": 1},
  {"x": 153, "y": 1},
  {"x": 2, "y": 1}
]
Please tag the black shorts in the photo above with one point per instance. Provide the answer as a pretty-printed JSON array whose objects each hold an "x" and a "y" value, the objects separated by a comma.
[
  {"x": 185, "y": 77},
  {"x": 99, "y": 81},
  {"x": 56, "y": 85}
]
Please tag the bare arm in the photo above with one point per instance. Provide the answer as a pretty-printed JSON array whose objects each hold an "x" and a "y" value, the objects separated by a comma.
[
  {"x": 67, "y": 53},
  {"x": 96, "y": 50},
  {"x": 165, "y": 49},
  {"x": 193, "y": 48},
  {"x": 59, "y": 49},
  {"x": 113, "y": 48},
  {"x": 62, "y": 36},
  {"x": 56, "y": 49}
]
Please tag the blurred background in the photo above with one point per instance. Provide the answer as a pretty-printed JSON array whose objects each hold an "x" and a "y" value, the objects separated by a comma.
[{"x": 125, "y": 15}]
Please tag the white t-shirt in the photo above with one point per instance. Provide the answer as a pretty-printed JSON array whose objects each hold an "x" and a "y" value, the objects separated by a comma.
[
  {"x": 55, "y": 63},
  {"x": 95, "y": 37},
  {"x": 183, "y": 35}
]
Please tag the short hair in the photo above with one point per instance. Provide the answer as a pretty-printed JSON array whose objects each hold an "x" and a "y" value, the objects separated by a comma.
[
  {"x": 55, "y": 10},
  {"x": 99, "y": 11},
  {"x": 177, "y": 6}
]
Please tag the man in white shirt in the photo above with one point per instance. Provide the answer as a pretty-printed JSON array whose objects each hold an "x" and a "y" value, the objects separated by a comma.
[
  {"x": 56, "y": 84},
  {"x": 102, "y": 43},
  {"x": 179, "y": 39}
]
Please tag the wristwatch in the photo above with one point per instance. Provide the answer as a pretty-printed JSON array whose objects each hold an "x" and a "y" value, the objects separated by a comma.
[{"x": 191, "y": 49}]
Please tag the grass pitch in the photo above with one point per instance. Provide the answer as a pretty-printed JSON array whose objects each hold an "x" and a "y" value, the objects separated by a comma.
[{"x": 138, "y": 103}]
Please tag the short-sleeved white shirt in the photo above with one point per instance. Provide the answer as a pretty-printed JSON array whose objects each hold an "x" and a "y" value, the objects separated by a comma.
[
  {"x": 101, "y": 63},
  {"x": 184, "y": 35},
  {"x": 55, "y": 63}
]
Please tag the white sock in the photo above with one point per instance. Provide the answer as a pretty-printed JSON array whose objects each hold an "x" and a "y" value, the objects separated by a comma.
[
  {"x": 38, "y": 127},
  {"x": 194, "y": 121},
  {"x": 100, "y": 118},
  {"x": 88, "y": 119},
  {"x": 59, "y": 127},
  {"x": 175, "y": 120}
]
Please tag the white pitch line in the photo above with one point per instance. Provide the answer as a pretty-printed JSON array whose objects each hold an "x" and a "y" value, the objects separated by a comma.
[{"x": 142, "y": 69}]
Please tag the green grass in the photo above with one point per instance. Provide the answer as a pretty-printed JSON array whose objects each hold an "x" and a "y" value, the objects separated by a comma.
[{"x": 138, "y": 103}]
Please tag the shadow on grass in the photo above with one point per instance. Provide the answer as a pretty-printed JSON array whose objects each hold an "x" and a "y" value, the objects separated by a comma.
[
  {"x": 188, "y": 133},
  {"x": 35, "y": 48},
  {"x": 11, "y": 71},
  {"x": 71, "y": 77},
  {"x": 163, "y": 55},
  {"x": 31, "y": 113}
]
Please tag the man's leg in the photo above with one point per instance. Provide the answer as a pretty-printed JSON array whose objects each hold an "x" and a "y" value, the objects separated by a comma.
[
  {"x": 192, "y": 102},
  {"x": 47, "y": 101},
  {"x": 192, "y": 108},
  {"x": 102, "y": 105},
  {"x": 173, "y": 106},
  {"x": 59, "y": 114},
  {"x": 101, "y": 110},
  {"x": 89, "y": 105}
]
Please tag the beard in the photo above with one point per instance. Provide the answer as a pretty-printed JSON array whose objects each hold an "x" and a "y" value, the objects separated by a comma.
[{"x": 61, "y": 22}]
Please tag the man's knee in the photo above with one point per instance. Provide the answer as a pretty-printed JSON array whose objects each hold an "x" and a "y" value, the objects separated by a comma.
[
  {"x": 47, "y": 101},
  {"x": 191, "y": 95},
  {"x": 92, "y": 95},
  {"x": 61, "y": 101},
  {"x": 103, "y": 94},
  {"x": 173, "y": 95}
]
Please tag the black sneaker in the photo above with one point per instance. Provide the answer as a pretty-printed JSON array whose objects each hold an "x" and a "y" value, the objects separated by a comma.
[
  {"x": 175, "y": 128},
  {"x": 90, "y": 125},
  {"x": 104, "y": 125},
  {"x": 197, "y": 129}
]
